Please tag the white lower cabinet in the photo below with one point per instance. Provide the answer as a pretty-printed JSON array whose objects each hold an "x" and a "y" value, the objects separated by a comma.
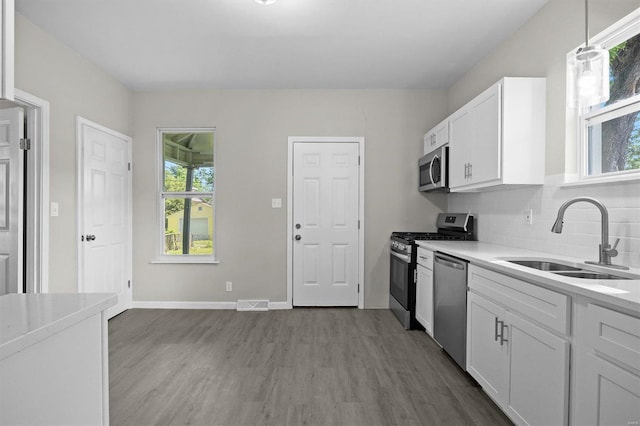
[
  {"x": 522, "y": 366},
  {"x": 539, "y": 374},
  {"x": 487, "y": 359},
  {"x": 607, "y": 382},
  {"x": 424, "y": 290}
]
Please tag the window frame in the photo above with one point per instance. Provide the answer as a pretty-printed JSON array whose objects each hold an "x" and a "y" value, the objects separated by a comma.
[
  {"x": 161, "y": 195},
  {"x": 582, "y": 118}
]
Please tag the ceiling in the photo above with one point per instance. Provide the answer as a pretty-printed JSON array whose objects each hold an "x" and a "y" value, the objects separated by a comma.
[{"x": 305, "y": 44}]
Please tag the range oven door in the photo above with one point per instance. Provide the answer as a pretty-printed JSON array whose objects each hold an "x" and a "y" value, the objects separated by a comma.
[
  {"x": 433, "y": 170},
  {"x": 400, "y": 277}
]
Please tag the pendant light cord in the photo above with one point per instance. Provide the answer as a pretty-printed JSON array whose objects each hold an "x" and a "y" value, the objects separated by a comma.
[{"x": 586, "y": 23}]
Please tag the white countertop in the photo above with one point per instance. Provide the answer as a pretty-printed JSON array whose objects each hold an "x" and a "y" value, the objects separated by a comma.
[
  {"x": 621, "y": 293},
  {"x": 26, "y": 319}
]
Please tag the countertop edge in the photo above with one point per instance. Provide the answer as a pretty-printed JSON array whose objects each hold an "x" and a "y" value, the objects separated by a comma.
[
  {"x": 535, "y": 277},
  {"x": 39, "y": 334}
]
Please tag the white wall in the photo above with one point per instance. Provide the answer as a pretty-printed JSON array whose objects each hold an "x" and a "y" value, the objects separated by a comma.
[
  {"x": 252, "y": 131},
  {"x": 73, "y": 86},
  {"x": 539, "y": 49}
]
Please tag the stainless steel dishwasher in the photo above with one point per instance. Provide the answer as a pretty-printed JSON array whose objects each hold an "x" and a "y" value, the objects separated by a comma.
[{"x": 450, "y": 306}]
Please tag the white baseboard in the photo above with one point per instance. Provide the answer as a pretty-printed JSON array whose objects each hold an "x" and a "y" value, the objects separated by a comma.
[
  {"x": 199, "y": 305},
  {"x": 274, "y": 306},
  {"x": 182, "y": 305}
]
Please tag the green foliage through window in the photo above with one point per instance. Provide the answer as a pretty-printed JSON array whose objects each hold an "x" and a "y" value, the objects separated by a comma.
[{"x": 188, "y": 188}]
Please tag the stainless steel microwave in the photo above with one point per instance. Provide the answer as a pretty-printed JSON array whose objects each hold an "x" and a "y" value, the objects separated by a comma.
[{"x": 433, "y": 170}]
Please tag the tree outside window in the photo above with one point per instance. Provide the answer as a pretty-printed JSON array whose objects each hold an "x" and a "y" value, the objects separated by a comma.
[
  {"x": 611, "y": 131},
  {"x": 187, "y": 193}
]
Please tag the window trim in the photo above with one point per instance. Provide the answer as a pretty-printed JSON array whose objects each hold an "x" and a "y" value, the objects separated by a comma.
[
  {"x": 160, "y": 257},
  {"x": 622, "y": 30}
]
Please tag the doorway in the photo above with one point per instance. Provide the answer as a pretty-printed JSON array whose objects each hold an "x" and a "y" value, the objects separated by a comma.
[
  {"x": 24, "y": 220},
  {"x": 104, "y": 213},
  {"x": 325, "y": 236}
]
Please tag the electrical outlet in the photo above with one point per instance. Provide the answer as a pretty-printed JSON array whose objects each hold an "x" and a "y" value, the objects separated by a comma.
[
  {"x": 229, "y": 286},
  {"x": 528, "y": 216},
  {"x": 276, "y": 203}
]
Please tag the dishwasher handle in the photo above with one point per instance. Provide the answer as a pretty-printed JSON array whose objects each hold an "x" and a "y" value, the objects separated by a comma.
[{"x": 449, "y": 263}]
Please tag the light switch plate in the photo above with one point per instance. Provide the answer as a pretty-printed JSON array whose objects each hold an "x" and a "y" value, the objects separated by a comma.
[{"x": 276, "y": 203}]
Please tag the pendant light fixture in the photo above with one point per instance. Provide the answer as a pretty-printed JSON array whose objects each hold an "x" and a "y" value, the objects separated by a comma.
[{"x": 589, "y": 71}]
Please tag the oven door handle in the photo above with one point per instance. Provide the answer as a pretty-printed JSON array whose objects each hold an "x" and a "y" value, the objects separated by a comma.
[
  {"x": 435, "y": 157},
  {"x": 402, "y": 257}
]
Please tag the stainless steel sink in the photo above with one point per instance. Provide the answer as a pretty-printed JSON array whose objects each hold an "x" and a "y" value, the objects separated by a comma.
[
  {"x": 545, "y": 265},
  {"x": 570, "y": 269},
  {"x": 589, "y": 275}
]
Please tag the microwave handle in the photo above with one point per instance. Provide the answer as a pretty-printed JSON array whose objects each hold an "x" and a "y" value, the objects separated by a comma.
[{"x": 431, "y": 169}]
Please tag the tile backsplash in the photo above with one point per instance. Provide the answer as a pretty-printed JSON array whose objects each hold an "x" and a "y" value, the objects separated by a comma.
[{"x": 501, "y": 218}]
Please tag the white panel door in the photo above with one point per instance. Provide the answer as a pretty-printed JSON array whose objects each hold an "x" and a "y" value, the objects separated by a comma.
[
  {"x": 487, "y": 358},
  {"x": 11, "y": 160},
  {"x": 105, "y": 214},
  {"x": 424, "y": 298},
  {"x": 539, "y": 373},
  {"x": 325, "y": 218},
  {"x": 461, "y": 144},
  {"x": 485, "y": 164},
  {"x": 610, "y": 395}
]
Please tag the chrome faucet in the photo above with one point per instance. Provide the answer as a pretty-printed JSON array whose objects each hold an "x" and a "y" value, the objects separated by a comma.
[{"x": 606, "y": 252}]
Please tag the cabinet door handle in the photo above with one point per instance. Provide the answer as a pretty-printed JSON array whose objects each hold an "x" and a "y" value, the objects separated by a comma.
[
  {"x": 495, "y": 330},
  {"x": 466, "y": 168},
  {"x": 501, "y": 334},
  {"x": 502, "y": 338},
  {"x": 470, "y": 170}
]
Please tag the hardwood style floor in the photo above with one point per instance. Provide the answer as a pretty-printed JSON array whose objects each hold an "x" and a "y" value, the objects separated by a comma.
[{"x": 292, "y": 367}]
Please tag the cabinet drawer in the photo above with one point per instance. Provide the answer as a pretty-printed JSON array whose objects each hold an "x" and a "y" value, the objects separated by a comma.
[
  {"x": 614, "y": 334},
  {"x": 544, "y": 306},
  {"x": 425, "y": 258}
]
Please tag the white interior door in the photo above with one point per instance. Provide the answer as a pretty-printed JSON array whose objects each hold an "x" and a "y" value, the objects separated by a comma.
[
  {"x": 11, "y": 187},
  {"x": 325, "y": 219},
  {"x": 105, "y": 213}
]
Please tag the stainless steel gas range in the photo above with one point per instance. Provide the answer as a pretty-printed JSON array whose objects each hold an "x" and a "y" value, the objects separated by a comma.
[{"x": 402, "y": 281}]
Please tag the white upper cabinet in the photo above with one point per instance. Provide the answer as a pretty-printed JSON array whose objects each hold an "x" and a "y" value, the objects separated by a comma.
[
  {"x": 7, "y": 49},
  {"x": 436, "y": 137},
  {"x": 498, "y": 138}
]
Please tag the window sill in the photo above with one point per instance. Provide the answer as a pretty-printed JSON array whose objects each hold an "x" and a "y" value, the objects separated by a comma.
[
  {"x": 184, "y": 260},
  {"x": 611, "y": 180}
]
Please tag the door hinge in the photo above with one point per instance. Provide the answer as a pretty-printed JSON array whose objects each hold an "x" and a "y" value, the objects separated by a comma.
[
  {"x": 358, "y": 160},
  {"x": 129, "y": 166},
  {"x": 358, "y": 287},
  {"x": 358, "y": 223},
  {"x": 129, "y": 283},
  {"x": 415, "y": 276},
  {"x": 25, "y": 144}
]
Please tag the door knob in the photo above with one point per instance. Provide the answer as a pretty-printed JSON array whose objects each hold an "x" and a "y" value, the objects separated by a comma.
[
  {"x": 298, "y": 237},
  {"x": 298, "y": 226}
]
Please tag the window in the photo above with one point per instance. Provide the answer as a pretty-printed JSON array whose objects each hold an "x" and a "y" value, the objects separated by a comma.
[
  {"x": 609, "y": 134},
  {"x": 187, "y": 195}
]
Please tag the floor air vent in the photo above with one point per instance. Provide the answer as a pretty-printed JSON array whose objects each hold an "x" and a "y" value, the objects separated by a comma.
[{"x": 253, "y": 305}]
